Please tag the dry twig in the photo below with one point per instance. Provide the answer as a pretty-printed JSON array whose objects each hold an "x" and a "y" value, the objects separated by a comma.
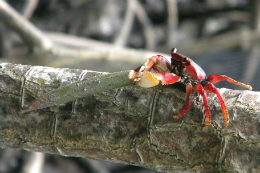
[
  {"x": 30, "y": 6},
  {"x": 124, "y": 33},
  {"x": 172, "y": 22}
]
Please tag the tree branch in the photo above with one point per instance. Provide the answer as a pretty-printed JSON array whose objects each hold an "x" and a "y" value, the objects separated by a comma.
[
  {"x": 26, "y": 30},
  {"x": 130, "y": 125}
]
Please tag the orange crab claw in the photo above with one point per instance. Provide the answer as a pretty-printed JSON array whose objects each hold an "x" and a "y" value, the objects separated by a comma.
[
  {"x": 148, "y": 79},
  {"x": 143, "y": 79},
  {"x": 167, "y": 78}
]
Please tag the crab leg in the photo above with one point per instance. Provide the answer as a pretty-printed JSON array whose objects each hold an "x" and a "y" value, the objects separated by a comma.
[
  {"x": 211, "y": 88},
  {"x": 186, "y": 107},
  {"x": 218, "y": 78},
  {"x": 200, "y": 90}
]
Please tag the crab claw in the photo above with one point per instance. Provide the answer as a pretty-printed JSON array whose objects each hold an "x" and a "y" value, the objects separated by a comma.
[
  {"x": 148, "y": 79},
  {"x": 143, "y": 79}
]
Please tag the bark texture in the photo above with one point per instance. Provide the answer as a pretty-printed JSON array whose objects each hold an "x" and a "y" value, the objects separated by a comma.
[{"x": 130, "y": 125}]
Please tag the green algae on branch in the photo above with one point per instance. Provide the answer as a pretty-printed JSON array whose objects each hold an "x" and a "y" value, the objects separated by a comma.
[{"x": 80, "y": 89}]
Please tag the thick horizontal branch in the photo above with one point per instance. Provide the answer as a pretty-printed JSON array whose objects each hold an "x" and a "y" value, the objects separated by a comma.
[{"x": 130, "y": 125}]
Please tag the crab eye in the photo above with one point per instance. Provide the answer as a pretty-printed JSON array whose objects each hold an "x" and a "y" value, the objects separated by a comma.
[
  {"x": 185, "y": 59},
  {"x": 174, "y": 50}
]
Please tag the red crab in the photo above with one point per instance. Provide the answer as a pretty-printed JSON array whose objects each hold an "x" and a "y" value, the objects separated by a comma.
[{"x": 183, "y": 70}]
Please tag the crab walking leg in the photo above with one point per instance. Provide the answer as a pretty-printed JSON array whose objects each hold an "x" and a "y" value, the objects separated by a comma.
[
  {"x": 218, "y": 78},
  {"x": 211, "y": 88},
  {"x": 200, "y": 90},
  {"x": 186, "y": 107},
  {"x": 158, "y": 63},
  {"x": 148, "y": 79}
]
